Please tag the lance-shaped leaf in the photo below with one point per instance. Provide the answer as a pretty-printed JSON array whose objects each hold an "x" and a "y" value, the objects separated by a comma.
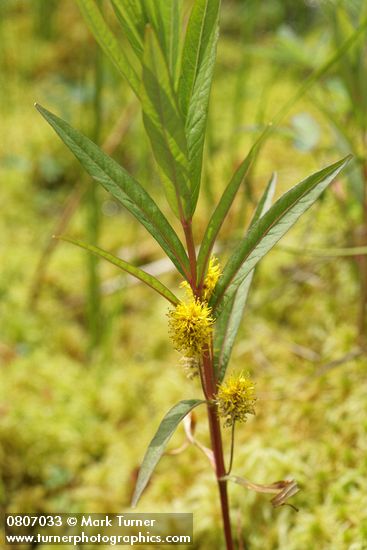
[
  {"x": 269, "y": 229},
  {"x": 122, "y": 186},
  {"x": 159, "y": 442},
  {"x": 146, "y": 278},
  {"x": 225, "y": 203},
  {"x": 164, "y": 17},
  {"x": 198, "y": 60},
  {"x": 165, "y": 126},
  {"x": 229, "y": 320},
  {"x": 108, "y": 42},
  {"x": 132, "y": 19},
  {"x": 166, "y": 20}
]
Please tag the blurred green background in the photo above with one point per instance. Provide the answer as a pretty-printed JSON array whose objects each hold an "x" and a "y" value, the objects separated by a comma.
[{"x": 86, "y": 367}]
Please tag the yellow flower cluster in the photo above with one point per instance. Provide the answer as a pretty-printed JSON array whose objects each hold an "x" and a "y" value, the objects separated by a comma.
[
  {"x": 190, "y": 326},
  {"x": 236, "y": 399},
  {"x": 191, "y": 322},
  {"x": 211, "y": 279}
]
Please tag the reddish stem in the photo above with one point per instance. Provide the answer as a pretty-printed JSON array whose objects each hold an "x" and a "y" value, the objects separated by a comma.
[
  {"x": 209, "y": 385},
  {"x": 217, "y": 445}
]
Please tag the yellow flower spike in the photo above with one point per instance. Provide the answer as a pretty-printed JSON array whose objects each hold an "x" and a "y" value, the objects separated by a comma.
[
  {"x": 236, "y": 399},
  {"x": 190, "y": 326},
  {"x": 211, "y": 279}
]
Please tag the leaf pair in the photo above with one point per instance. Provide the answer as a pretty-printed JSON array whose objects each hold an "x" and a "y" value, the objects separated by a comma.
[
  {"x": 123, "y": 188},
  {"x": 268, "y": 226}
]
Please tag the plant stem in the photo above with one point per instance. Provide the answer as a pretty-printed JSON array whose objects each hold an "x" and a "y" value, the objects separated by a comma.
[
  {"x": 209, "y": 385},
  {"x": 217, "y": 445}
]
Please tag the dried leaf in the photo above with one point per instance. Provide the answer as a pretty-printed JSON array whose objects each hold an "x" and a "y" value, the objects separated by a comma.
[{"x": 283, "y": 489}]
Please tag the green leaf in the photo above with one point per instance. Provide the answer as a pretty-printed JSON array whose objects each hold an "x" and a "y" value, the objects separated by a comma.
[
  {"x": 269, "y": 229},
  {"x": 265, "y": 201},
  {"x": 225, "y": 203},
  {"x": 123, "y": 187},
  {"x": 146, "y": 278},
  {"x": 166, "y": 20},
  {"x": 198, "y": 60},
  {"x": 174, "y": 34},
  {"x": 108, "y": 42},
  {"x": 229, "y": 320},
  {"x": 202, "y": 27},
  {"x": 165, "y": 126},
  {"x": 159, "y": 442},
  {"x": 132, "y": 20}
]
